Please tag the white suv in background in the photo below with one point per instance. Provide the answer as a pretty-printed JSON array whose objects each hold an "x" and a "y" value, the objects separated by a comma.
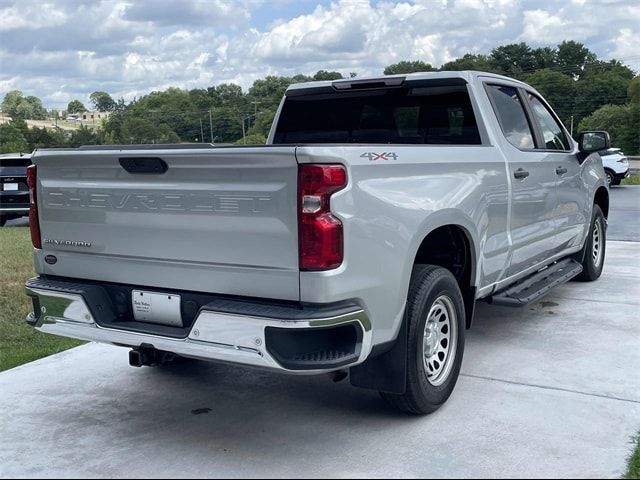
[{"x": 616, "y": 165}]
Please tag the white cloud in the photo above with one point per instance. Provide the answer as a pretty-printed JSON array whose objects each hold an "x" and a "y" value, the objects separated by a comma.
[{"x": 65, "y": 49}]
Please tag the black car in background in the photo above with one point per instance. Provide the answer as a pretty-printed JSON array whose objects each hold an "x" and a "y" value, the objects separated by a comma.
[{"x": 14, "y": 192}]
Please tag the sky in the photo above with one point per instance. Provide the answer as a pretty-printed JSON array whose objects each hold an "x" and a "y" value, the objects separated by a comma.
[{"x": 60, "y": 50}]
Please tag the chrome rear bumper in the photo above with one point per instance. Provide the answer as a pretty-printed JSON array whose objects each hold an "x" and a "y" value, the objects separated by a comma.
[
  {"x": 14, "y": 209},
  {"x": 216, "y": 336}
]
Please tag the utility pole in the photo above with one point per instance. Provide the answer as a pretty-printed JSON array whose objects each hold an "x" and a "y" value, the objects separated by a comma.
[
  {"x": 255, "y": 111},
  {"x": 210, "y": 126},
  {"x": 244, "y": 137},
  {"x": 572, "y": 125},
  {"x": 201, "y": 132}
]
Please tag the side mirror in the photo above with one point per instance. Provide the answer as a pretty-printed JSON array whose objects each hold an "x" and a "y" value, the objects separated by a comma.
[{"x": 590, "y": 142}]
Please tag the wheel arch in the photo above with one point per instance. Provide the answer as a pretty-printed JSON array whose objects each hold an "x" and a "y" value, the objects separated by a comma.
[
  {"x": 601, "y": 198},
  {"x": 461, "y": 261}
]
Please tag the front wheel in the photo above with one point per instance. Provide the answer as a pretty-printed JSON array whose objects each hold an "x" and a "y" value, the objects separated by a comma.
[
  {"x": 3, "y": 221},
  {"x": 594, "y": 247},
  {"x": 435, "y": 319},
  {"x": 610, "y": 178}
]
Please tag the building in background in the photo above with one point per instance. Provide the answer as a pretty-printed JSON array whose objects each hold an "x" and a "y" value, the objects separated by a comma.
[{"x": 92, "y": 117}]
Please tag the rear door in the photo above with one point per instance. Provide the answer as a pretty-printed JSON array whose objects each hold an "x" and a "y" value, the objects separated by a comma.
[
  {"x": 533, "y": 183},
  {"x": 217, "y": 220}
]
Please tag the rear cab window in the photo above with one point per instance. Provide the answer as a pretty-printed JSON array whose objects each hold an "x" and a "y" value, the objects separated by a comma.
[
  {"x": 511, "y": 116},
  {"x": 439, "y": 115}
]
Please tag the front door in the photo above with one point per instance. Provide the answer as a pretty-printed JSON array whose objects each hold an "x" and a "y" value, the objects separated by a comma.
[{"x": 572, "y": 209}]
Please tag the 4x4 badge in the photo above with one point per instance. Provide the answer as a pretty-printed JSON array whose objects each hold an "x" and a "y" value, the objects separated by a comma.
[{"x": 373, "y": 156}]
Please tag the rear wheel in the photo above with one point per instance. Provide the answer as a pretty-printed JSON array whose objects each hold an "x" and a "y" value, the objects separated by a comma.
[
  {"x": 594, "y": 248},
  {"x": 435, "y": 319},
  {"x": 3, "y": 221}
]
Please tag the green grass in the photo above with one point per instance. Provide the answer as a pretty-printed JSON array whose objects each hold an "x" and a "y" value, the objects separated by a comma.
[
  {"x": 20, "y": 343},
  {"x": 633, "y": 179},
  {"x": 634, "y": 463}
]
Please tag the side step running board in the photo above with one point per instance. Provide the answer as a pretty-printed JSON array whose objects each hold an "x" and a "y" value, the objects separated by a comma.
[{"x": 537, "y": 285}]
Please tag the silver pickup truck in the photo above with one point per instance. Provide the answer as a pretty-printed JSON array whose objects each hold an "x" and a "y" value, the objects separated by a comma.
[{"x": 356, "y": 242}]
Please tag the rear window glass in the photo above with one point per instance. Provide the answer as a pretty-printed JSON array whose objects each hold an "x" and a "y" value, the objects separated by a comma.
[
  {"x": 425, "y": 115},
  {"x": 14, "y": 162}
]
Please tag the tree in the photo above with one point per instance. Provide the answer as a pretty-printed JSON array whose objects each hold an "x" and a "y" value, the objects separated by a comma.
[
  {"x": 595, "y": 90},
  {"x": 545, "y": 57},
  {"x": 11, "y": 101},
  {"x": 572, "y": 57},
  {"x": 45, "y": 138},
  {"x": 262, "y": 123},
  {"x": 76, "y": 106},
  {"x": 621, "y": 121},
  {"x": 558, "y": 89},
  {"x": 142, "y": 131},
  {"x": 36, "y": 110},
  {"x": 16, "y": 105},
  {"x": 324, "y": 75},
  {"x": 469, "y": 62},
  {"x": 226, "y": 95},
  {"x": 102, "y": 102},
  {"x": 253, "y": 139},
  {"x": 408, "y": 67},
  {"x": 514, "y": 59},
  {"x": 269, "y": 91},
  {"x": 12, "y": 140},
  {"x": 633, "y": 92},
  {"x": 83, "y": 136}
]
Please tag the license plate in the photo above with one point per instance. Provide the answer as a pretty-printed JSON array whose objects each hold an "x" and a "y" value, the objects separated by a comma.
[
  {"x": 10, "y": 187},
  {"x": 153, "y": 307}
]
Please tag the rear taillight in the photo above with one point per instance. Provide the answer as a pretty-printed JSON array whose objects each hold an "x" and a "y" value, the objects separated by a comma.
[
  {"x": 34, "y": 223},
  {"x": 320, "y": 232}
]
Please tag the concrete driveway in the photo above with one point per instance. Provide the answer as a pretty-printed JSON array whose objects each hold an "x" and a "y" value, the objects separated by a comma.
[{"x": 552, "y": 390}]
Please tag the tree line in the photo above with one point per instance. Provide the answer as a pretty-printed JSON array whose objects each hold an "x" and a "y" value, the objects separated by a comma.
[{"x": 585, "y": 92}]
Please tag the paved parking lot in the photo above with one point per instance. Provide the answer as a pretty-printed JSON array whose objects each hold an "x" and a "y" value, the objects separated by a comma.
[{"x": 551, "y": 390}]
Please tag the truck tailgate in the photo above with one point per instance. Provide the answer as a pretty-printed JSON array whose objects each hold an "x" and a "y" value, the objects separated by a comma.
[{"x": 219, "y": 220}]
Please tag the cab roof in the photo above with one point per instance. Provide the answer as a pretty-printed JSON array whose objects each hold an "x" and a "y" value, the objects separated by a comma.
[{"x": 462, "y": 77}]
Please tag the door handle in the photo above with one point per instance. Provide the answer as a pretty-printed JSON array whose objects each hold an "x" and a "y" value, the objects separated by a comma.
[
  {"x": 561, "y": 170},
  {"x": 521, "y": 173}
]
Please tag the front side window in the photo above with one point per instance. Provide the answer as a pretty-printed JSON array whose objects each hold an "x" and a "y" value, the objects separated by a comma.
[
  {"x": 552, "y": 132},
  {"x": 511, "y": 115}
]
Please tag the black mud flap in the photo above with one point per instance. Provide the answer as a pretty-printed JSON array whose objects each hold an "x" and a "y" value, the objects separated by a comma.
[{"x": 386, "y": 368}]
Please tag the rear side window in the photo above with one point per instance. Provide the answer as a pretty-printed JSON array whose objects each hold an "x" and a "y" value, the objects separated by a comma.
[
  {"x": 425, "y": 115},
  {"x": 552, "y": 132},
  {"x": 511, "y": 116}
]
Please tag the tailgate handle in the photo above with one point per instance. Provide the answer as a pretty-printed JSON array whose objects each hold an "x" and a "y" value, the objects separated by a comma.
[{"x": 146, "y": 165}]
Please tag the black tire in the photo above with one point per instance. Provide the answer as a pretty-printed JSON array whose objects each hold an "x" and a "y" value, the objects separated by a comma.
[
  {"x": 3, "y": 221},
  {"x": 592, "y": 266},
  {"x": 616, "y": 182},
  {"x": 429, "y": 285},
  {"x": 611, "y": 178}
]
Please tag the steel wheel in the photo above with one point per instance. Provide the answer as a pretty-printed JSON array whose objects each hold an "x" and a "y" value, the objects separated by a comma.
[
  {"x": 440, "y": 340},
  {"x": 596, "y": 244}
]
